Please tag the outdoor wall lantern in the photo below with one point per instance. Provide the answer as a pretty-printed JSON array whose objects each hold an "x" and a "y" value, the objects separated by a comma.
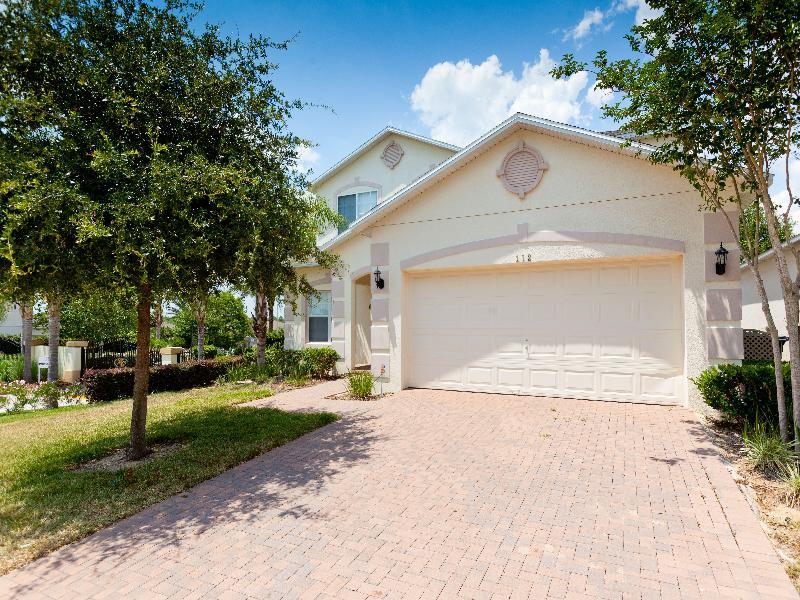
[
  {"x": 722, "y": 258},
  {"x": 378, "y": 278}
]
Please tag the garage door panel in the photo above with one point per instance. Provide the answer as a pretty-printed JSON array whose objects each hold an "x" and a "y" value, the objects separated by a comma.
[
  {"x": 608, "y": 331},
  {"x": 512, "y": 378}
]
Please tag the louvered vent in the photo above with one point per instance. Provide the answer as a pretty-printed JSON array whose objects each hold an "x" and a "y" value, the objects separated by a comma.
[
  {"x": 522, "y": 169},
  {"x": 392, "y": 154}
]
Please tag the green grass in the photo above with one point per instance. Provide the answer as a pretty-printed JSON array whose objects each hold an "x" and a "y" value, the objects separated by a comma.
[{"x": 44, "y": 504}]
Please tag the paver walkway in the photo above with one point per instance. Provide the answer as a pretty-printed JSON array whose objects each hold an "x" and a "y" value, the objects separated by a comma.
[{"x": 444, "y": 494}]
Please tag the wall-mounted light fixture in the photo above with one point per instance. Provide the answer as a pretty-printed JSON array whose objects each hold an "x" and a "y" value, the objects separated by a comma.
[
  {"x": 378, "y": 278},
  {"x": 722, "y": 258}
]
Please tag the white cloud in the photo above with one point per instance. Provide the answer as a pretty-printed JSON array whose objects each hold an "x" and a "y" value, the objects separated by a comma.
[
  {"x": 597, "y": 19},
  {"x": 460, "y": 101},
  {"x": 591, "y": 18},
  {"x": 598, "y": 97},
  {"x": 643, "y": 10},
  {"x": 306, "y": 158}
]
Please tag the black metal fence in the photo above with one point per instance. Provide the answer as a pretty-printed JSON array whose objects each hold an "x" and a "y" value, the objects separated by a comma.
[
  {"x": 121, "y": 353},
  {"x": 113, "y": 353}
]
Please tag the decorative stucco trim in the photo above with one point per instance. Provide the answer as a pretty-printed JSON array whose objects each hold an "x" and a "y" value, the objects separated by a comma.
[
  {"x": 725, "y": 342},
  {"x": 337, "y": 289},
  {"x": 358, "y": 273},
  {"x": 724, "y": 304},
  {"x": 522, "y": 169},
  {"x": 716, "y": 229},
  {"x": 358, "y": 182},
  {"x": 392, "y": 154},
  {"x": 379, "y": 337},
  {"x": 379, "y": 310},
  {"x": 379, "y": 254},
  {"x": 522, "y": 236}
]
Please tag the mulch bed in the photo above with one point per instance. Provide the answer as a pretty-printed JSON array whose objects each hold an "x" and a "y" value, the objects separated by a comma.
[{"x": 767, "y": 496}]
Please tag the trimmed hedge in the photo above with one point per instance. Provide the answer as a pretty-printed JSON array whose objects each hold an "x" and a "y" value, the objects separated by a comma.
[
  {"x": 745, "y": 392},
  {"x": 111, "y": 384}
]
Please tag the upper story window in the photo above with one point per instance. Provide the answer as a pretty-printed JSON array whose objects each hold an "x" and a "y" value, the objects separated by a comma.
[{"x": 355, "y": 206}]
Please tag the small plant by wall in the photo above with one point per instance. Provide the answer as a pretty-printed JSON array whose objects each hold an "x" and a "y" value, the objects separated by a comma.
[{"x": 360, "y": 384}]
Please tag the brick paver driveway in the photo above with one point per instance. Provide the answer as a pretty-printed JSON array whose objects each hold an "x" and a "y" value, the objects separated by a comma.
[{"x": 444, "y": 494}]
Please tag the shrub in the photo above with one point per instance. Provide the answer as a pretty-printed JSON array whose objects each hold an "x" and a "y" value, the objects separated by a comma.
[
  {"x": 11, "y": 367},
  {"x": 744, "y": 392},
  {"x": 275, "y": 338},
  {"x": 359, "y": 384},
  {"x": 319, "y": 362},
  {"x": 111, "y": 384},
  {"x": 765, "y": 449},
  {"x": 210, "y": 351}
]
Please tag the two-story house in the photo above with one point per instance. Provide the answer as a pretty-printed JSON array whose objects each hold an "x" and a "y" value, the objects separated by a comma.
[{"x": 541, "y": 259}]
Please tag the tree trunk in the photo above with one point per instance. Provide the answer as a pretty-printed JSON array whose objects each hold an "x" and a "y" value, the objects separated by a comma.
[
  {"x": 271, "y": 313},
  {"x": 201, "y": 329},
  {"x": 53, "y": 335},
  {"x": 783, "y": 421},
  {"x": 158, "y": 317},
  {"x": 26, "y": 312},
  {"x": 141, "y": 380},
  {"x": 260, "y": 323},
  {"x": 791, "y": 304}
]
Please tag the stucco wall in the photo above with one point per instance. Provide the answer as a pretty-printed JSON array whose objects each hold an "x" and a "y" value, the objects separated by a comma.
[
  {"x": 752, "y": 315},
  {"x": 585, "y": 189}
]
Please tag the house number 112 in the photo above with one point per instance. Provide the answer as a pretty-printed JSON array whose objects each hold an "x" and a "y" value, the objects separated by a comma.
[{"x": 524, "y": 258}]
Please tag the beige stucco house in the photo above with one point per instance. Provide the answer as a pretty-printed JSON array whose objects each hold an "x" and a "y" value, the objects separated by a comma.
[{"x": 541, "y": 259}]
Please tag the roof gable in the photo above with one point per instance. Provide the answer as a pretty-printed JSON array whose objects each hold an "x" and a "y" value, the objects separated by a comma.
[
  {"x": 379, "y": 137},
  {"x": 514, "y": 123}
]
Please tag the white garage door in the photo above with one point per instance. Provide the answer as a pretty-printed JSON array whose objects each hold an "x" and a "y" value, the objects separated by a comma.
[{"x": 602, "y": 330}]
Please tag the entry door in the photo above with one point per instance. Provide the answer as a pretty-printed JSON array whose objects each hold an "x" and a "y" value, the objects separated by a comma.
[{"x": 611, "y": 331}]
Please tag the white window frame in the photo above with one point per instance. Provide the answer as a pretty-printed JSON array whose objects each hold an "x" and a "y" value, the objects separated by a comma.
[
  {"x": 309, "y": 306},
  {"x": 357, "y": 194}
]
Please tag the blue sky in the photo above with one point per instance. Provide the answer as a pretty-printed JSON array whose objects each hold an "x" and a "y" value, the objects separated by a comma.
[{"x": 448, "y": 70}]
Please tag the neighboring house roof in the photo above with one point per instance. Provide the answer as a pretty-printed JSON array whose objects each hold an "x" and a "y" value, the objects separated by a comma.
[
  {"x": 517, "y": 121},
  {"x": 378, "y": 137},
  {"x": 769, "y": 253}
]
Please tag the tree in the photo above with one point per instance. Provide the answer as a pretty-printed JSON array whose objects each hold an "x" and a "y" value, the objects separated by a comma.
[
  {"x": 282, "y": 236},
  {"x": 95, "y": 317},
  {"x": 716, "y": 85},
  {"x": 752, "y": 227},
  {"x": 226, "y": 321},
  {"x": 155, "y": 113}
]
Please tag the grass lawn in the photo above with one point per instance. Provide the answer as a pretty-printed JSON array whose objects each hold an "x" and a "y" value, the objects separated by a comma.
[{"x": 44, "y": 504}]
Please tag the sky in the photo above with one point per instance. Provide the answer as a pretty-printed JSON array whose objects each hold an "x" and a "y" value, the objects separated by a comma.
[{"x": 441, "y": 69}]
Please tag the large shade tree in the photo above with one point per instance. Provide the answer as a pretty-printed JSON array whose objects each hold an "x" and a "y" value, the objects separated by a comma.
[
  {"x": 160, "y": 110},
  {"x": 715, "y": 82}
]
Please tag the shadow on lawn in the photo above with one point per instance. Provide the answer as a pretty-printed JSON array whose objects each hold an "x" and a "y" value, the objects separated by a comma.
[{"x": 288, "y": 482}]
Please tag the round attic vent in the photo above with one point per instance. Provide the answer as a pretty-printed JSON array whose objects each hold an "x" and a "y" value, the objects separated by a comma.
[
  {"x": 522, "y": 169},
  {"x": 392, "y": 154}
]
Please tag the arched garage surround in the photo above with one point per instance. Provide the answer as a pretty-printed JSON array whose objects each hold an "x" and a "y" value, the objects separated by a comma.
[{"x": 567, "y": 314}]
